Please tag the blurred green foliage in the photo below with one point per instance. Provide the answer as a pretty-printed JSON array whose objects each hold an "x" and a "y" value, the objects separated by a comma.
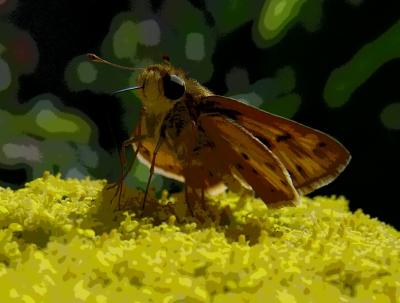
[
  {"x": 347, "y": 78},
  {"x": 278, "y": 16},
  {"x": 390, "y": 116},
  {"x": 45, "y": 134},
  {"x": 42, "y": 134},
  {"x": 223, "y": 12},
  {"x": 18, "y": 56},
  {"x": 50, "y": 136}
]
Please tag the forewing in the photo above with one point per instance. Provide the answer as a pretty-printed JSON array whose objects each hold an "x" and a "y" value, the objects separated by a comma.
[
  {"x": 311, "y": 157},
  {"x": 241, "y": 151}
]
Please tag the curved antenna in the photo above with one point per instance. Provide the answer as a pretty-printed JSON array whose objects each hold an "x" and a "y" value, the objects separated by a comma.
[
  {"x": 127, "y": 89},
  {"x": 95, "y": 58}
]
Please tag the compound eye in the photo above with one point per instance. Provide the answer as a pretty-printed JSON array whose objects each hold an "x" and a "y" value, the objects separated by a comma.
[{"x": 174, "y": 87}]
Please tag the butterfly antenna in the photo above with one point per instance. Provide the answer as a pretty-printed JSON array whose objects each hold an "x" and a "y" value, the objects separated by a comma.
[
  {"x": 127, "y": 89},
  {"x": 95, "y": 58}
]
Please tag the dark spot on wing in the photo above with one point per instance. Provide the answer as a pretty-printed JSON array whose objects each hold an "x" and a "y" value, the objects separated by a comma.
[
  {"x": 210, "y": 174},
  {"x": 318, "y": 153},
  {"x": 284, "y": 182},
  {"x": 264, "y": 141},
  {"x": 238, "y": 166},
  {"x": 284, "y": 137},
  {"x": 245, "y": 156},
  {"x": 254, "y": 171},
  {"x": 321, "y": 144},
  {"x": 301, "y": 170}
]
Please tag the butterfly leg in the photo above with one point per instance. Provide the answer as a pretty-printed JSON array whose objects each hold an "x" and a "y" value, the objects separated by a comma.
[
  {"x": 194, "y": 188},
  {"x": 187, "y": 200},
  {"x": 192, "y": 173},
  {"x": 153, "y": 161},
  {"x": 122, "y": 158},
  {"x": 137, "y": 136},
  {"x": 203, "y": 202},
  {"x": 202, "y": 194},
  {"x": 123, "y": 161}
]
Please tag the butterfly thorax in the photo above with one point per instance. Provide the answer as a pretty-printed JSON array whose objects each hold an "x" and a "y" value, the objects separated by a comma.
[{"x": 175, "y": 119}]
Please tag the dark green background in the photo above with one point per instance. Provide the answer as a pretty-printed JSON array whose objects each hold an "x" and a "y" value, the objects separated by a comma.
[{"x": 322, "y": 39}]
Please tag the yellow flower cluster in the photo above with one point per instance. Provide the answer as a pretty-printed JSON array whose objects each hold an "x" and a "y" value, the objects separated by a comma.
[{"x": 63, "y": 241}]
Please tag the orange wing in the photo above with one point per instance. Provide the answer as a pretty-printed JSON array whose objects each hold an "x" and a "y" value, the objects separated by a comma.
[
  {"x": 312, "y": 158},
  {"x": 168, "y": 165},
  {"x": 242, "y": 153}
]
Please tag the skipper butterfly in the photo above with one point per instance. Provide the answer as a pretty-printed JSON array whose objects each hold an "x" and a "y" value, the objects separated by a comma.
[{"x": 211, "y": 142}]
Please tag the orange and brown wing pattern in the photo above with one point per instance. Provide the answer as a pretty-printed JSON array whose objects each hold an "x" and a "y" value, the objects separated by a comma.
[
  {"x": 239, "y": 150},
  {"x": 311, "y": 157}
]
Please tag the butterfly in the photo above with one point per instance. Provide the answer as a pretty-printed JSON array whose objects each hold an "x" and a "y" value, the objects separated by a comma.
[{"x": 212, "y": 142}]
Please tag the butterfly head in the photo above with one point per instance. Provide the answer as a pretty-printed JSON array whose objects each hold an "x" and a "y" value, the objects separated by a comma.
[{"x": 161, "y": 86}]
